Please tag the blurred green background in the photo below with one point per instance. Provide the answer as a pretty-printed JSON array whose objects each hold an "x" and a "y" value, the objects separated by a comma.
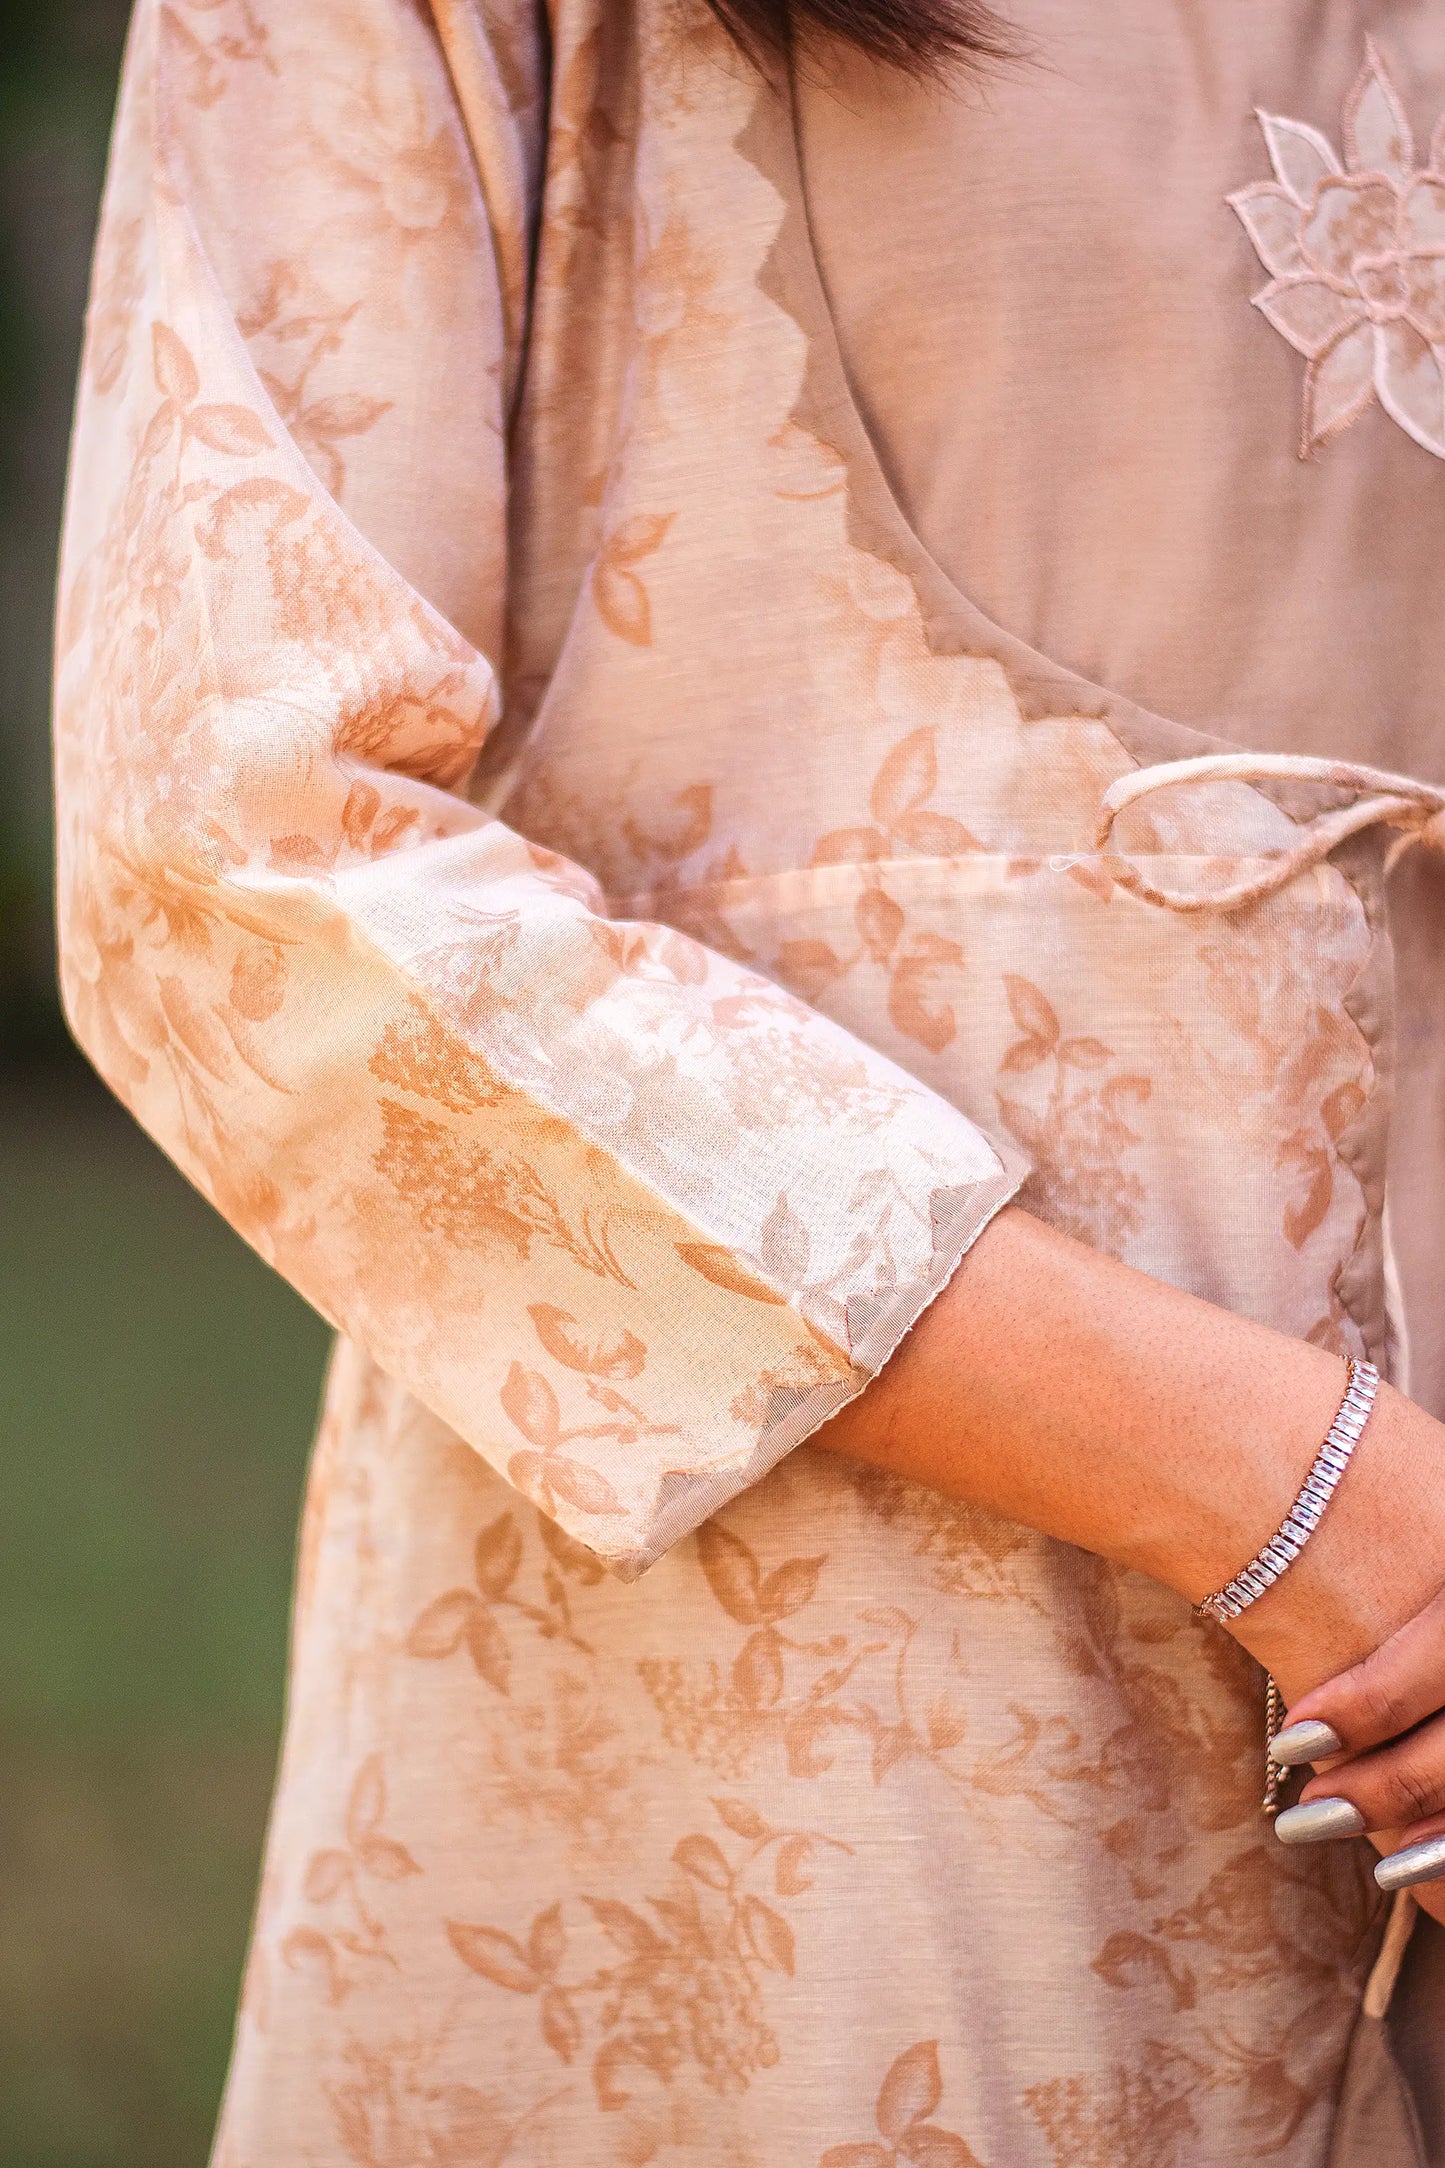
[{"x": 157, "y": 1384}]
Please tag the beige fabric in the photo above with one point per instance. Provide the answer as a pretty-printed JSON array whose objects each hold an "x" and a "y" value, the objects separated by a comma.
[
  {"x": 1377, "y": 2127},
  {"x": 1038, "y": 295},
  {"x": 860, "y": 1828},
  {"x": 1418, "y": 2025},
  {"x": 1041, "y": 292},
  {"x": 1044, "y": 301},
  {"x": 479, "y": 1122}
]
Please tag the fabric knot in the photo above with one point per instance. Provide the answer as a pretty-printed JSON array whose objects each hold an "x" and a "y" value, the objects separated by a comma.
[{"x": 1402, "y": 802}]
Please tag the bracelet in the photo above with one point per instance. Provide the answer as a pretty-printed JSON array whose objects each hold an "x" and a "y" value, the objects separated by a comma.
[{"x": 1303, "y": 1517}]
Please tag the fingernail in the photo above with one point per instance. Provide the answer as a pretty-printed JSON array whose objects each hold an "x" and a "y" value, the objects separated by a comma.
[
  {"x": 1309, "y": 1741},
  {"x": 1321, "y": 1819},
  {"x": 1417, "y": 1863}
]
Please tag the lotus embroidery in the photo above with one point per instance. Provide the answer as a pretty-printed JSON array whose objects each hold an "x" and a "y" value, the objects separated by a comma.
[{"x": 1356, "y": 254}]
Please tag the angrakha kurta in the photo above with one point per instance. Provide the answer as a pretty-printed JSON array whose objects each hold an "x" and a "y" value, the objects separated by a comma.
[{"x": 555, "y": 856}]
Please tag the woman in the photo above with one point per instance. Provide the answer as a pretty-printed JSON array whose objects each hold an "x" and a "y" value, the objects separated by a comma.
[{"x": 620, "y": 592}]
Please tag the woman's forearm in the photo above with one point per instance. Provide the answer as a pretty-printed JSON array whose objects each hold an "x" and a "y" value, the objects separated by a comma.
[
  {"x": 1084, "y": 1399},
  {"x": 1087, "y": 1400}
]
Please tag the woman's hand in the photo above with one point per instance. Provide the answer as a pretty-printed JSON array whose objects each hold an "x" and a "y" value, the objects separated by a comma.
[
  {"x": 1354, "y": 1633},
  {"x": 1377, "y": 1732}
]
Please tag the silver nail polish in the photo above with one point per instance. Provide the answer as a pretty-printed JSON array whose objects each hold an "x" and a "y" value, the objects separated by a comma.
[
  {"x": 1423, "y": 1862},
  {"x": 1306, "y": 1742},
  {"x": 1320, "y": 1820}
]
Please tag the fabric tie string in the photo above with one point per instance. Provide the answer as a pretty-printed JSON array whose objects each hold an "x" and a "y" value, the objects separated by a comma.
[{"x": 1399, "y": 801}]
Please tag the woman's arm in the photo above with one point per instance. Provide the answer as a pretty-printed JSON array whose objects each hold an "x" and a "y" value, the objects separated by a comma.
[
  {"x": 1071, "y": 1393},
  {"x": 627, "y": 1216}
]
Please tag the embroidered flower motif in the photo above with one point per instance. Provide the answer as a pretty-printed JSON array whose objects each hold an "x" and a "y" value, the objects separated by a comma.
[{"x": 1357, "y": 257}]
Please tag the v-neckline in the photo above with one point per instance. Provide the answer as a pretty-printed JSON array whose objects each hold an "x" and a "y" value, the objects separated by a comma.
[{"x": 953, "y": 621}]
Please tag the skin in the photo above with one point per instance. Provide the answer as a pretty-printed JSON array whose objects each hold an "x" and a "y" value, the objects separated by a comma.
[{"x": 1066, "y": 1391}]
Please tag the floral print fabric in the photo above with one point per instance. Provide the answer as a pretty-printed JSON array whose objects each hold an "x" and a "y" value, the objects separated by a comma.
[
  {"x": 611, "y": 923},
  {"x": 633, "y": 1219}
]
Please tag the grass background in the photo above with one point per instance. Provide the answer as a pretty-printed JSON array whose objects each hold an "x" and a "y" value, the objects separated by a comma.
[
  {"x": 157, "y": 1387},
  {"x": 157, "y": 1384}
]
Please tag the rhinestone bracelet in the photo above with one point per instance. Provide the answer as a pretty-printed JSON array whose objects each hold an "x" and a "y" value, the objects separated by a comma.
[{"x": 1303, "y": 1517}]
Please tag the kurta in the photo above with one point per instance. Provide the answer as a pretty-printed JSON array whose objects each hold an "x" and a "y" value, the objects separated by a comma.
[{"x": 554, "y": 850}]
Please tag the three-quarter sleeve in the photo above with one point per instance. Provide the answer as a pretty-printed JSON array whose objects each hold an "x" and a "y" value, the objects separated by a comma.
[{"x": 630, "y": 1218}]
